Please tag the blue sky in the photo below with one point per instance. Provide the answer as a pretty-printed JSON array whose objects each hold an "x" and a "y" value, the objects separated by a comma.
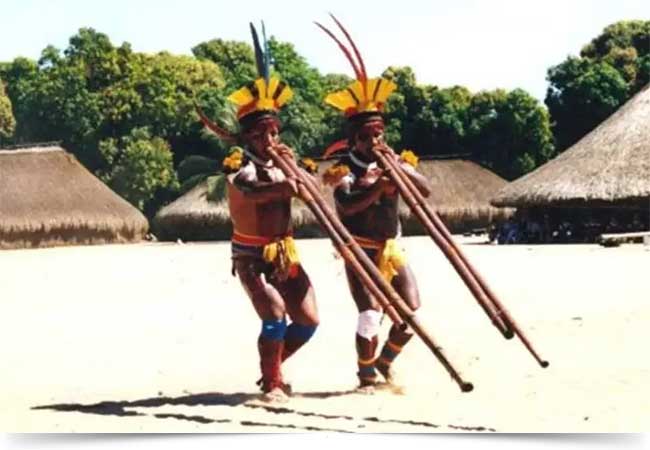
[{"x": 479, "y": 44}]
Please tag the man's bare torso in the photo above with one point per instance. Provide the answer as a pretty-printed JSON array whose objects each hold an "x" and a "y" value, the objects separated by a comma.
[
  {"x": 380, "y": 220},
  {"x": 269, "y": 218}
]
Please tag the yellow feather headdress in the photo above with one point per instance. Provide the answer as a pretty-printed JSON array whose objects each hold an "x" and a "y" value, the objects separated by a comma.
[
  {"x": 266, "y": 93},
  {"x": 363, "y": 95},
  {"x": 261, "y": 95}
]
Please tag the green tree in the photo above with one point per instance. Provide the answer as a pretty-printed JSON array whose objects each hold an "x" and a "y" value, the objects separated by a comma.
[
  {"x": 95, "y": 92},
  {"x": 582, "y": 94},
  {"x": 7, "y": 121},
  {"x": 585, "y": 90},
  {"x": 19, "y": 76},
  {"x": 165, "y": 87},
  {"x": 61, "y": 97},
  {"x": 619, "y": 35},
  {"x": 234, "y": 58},
  {"x": 405, "y": 115},
  {"x": 428, "y": 119},
  {"x": 303, "y": 117},
  {"x": 442, "y": 125},
  {"x": 643, "y": 72},
  {"x": 333, "y": 119},
  {"x": 139, "y": 166},
  {"x": 509, "y": 132}
]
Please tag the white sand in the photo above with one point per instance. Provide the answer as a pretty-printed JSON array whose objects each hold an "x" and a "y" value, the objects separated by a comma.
[{"x": 164, "y": 332}]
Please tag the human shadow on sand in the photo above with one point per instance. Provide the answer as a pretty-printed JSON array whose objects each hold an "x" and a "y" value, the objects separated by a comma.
[
  {"x": 246, "y": 400},
  {"x": 120, "y": 408},
  {"x": 117, "y": 408}
]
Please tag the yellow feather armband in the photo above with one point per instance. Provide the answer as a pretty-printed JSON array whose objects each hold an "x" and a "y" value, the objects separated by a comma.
[
  {"x": 335, "y": 174},
  {"x": 409, "y": 158},
  {"x": 233, "y": 162},
  {"x": 309, "y": 165}
]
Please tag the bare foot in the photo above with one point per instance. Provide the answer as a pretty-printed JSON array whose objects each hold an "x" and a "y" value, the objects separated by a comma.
[
  {"x": 368, "y": 389},
  {"x": 276, "y": 395},
  {"x": 392, "y": 383},
  {"x": 286, "y": 387}
]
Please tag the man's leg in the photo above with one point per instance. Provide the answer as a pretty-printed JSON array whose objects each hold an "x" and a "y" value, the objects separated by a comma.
[
  {"x": 300, "y": 302},
  {"x": 366, "y": 338},
  {"x": 399, "y": 335},
  {"x": 269, "y": 305},
  {"x": 271, "y": 345}
]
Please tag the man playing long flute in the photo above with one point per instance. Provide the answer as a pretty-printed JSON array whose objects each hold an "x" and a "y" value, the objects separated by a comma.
[
  {"x": 263, "y": 251},
  {"x": 367, "y": 203}
]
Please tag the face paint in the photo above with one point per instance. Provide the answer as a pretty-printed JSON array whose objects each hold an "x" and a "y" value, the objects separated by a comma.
[
  {"x": 368, "y": 136},
  {"x": 263, "y": 134}
]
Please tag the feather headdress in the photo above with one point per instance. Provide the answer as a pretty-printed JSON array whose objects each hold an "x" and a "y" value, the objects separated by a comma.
[
  {"x": 364, "y": 95},
  {"x": 267, "y": 93}
]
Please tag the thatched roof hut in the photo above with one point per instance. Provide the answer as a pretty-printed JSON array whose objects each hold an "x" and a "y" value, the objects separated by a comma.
[
  {"x": 192, "y": 217},
  {"x": 610, "y": 166},
  {"x": 461, "y": 193},
  {"x": 196, "y": 217},
  {"x": 47, "y": 198}
]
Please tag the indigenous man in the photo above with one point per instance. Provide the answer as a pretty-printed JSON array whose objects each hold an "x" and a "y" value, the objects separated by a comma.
[
  {"x": 367, "y": 203},
  {"x": 263, "y": 251}
]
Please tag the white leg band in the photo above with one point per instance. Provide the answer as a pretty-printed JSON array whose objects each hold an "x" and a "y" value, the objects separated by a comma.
[{"x": 369, "y": 322}]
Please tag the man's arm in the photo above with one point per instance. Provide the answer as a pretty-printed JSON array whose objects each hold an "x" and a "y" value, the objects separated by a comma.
[
  {"x": 263, "y": 191},
  {"x": 419, "y": 180},
  {"x": 351, "y": 201}
]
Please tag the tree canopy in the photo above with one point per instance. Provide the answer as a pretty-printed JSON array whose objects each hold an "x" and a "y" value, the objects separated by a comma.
[
  {"x": 130, "y": 118},
  {"x": 508, "y": 132},
  {"x": 585, "y": 90},
  {"x": 7, "y": 121}
]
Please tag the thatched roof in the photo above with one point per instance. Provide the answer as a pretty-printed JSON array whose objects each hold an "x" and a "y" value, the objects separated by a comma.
[
  {"x": 48, "y": 198},
  {"x": 195, "y": 217},
  {"x": 192, "y": 217},
  {"x": 461, "y": 193},
  {"x": 610, "y": 164}
]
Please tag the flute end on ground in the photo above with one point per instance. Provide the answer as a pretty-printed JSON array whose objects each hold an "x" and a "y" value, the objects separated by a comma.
[{"x": 466, "y": 387}]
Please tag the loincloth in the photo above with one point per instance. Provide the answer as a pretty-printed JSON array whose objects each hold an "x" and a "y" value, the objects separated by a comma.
[
  {"x": 279, "y": 254},
  {"x": 388, "y": 256}
]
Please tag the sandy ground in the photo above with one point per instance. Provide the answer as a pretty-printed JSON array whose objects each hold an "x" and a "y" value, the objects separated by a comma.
[{"x": 160, "y": 338}]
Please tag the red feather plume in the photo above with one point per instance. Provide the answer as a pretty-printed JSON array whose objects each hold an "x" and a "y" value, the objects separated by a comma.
[
  {"x": 354, "y": 47},
  {"x": 216, "y": 129},
  {"x": 357, "y": 71},
  {"x": 335, "y": 147}
]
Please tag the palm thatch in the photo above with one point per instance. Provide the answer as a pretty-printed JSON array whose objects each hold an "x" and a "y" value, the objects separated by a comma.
[
  {"x": 203, "y": 215},
  {"x": 461, "y": 192},
  {"x": 47, "y": 198},
  {"x": 192, "y": 217},
  {"x": 608, "y": 166}
]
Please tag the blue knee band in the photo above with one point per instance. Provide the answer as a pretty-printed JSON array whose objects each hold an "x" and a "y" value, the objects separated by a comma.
[
  {"x": 302, "y": 332},
  {"x": 274, "y": 329}
]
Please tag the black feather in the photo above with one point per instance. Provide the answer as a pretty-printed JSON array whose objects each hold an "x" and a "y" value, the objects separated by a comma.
[
  {"x": 267, "y": 56},
  {"x": 259, "y": 54}
]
